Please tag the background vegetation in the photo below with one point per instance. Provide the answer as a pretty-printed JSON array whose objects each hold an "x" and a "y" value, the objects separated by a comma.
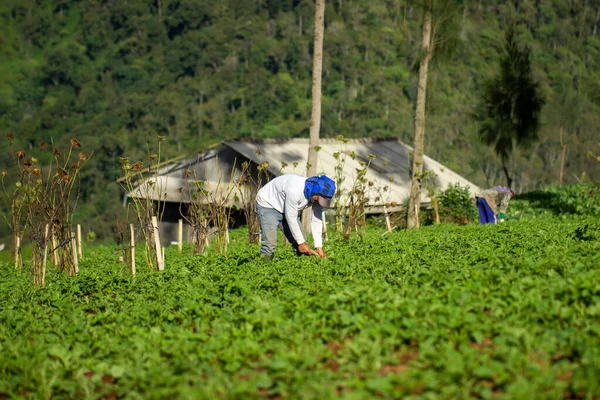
[{"x": 116, "y": 74}]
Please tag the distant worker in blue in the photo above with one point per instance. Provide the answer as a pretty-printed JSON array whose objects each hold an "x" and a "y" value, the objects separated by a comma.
[
  {"x": 493, "y": 203},
  {"x": 278, "y": 205}
]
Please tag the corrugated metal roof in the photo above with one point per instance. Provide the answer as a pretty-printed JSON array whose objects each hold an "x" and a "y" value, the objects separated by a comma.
[{"x": 389, "y": 168}]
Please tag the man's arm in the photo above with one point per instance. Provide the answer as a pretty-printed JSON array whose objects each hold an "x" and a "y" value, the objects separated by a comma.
[
  {"x": 291, "y": 216},
  {"x": 316, "y": 225}
]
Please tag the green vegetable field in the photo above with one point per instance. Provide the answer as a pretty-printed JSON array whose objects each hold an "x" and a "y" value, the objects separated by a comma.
[{"x": 497, "y": 311}]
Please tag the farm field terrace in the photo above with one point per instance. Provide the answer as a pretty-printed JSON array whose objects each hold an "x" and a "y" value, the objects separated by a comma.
[{"x": 497, "y": 311}]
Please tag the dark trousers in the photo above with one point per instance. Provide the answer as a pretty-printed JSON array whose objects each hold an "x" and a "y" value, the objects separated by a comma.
[{"x": 486, "y": 215}]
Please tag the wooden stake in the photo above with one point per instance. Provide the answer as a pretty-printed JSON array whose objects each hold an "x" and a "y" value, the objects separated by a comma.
[
  {"x": 418, "y": 223},
  {"x": 45, "y": 254},
  {"x": 387, "y": 219},
  {"x": 132, "y": 242},
  {"x": 54, "y": 251},
  {"x": 163, "y": 256},
  {"x": 17, "y": 252},
  {"x": 180, "y": 235},
  {"x": 74, "y": 246},
  {"x": 159, "y": 259},
  {"x": 79, "y": 241}
]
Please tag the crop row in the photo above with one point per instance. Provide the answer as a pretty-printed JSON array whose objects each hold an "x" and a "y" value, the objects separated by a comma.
[{"x": 448, "y": 311}]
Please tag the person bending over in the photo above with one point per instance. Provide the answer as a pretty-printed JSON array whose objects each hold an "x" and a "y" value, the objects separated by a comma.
[
  {"x": 278, "y": 205},
  {"x": 492, "y": 204}
]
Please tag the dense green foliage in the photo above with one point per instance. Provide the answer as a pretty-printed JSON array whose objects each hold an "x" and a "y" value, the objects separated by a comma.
[
  {"x": 444, "y": 312},
  {"x": 115, "y": 74},
  {"x": 557, "y": 201}
]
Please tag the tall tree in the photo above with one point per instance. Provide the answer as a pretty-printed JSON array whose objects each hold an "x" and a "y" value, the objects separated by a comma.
[
  {"x": 439, "y": 35},
  {"x": 564, "y": 111},
  {"x": 511, "y": 104},
  {"x": 315, "y": 116}
]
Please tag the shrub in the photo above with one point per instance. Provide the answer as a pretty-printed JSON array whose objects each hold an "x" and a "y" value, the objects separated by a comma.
[{"x": 457, "y": 205}]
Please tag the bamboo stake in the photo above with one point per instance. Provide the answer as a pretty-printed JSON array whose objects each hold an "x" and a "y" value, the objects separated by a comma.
[
  {"x": 54, "y": 251},
  {"x": 159, "y": 259},
  {"x": 74, "y": 246},
  {"x": 132, "y": 249},
  {"x": 79, "y": 241},
  {"x": 45, "y": 254},
  {"x": 180, "y": 235}
]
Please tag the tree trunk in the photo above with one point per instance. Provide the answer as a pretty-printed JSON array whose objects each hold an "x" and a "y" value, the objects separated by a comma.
[
  {"x": 506, "y": 174},
  {"x": 415, "y": 185},
  {"x": 315, "y": 118},
  {"x": 562, "y": 158}
]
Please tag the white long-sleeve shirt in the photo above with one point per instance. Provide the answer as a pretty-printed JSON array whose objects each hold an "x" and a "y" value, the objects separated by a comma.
[{"x": 286, "y": 195}]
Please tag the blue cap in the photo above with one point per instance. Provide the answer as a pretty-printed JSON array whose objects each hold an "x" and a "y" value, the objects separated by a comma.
[{"x": 322, "y": 186}]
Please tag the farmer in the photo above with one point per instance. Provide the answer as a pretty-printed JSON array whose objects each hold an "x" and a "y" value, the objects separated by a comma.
[
  {"x": 492, "y": 204},
  {"x": 278, "y": 205}
]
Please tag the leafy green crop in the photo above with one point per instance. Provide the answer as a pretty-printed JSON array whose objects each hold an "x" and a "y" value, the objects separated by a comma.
[
  {"x": 557, "y": 201},
  {"x": 493, "y": 311}
]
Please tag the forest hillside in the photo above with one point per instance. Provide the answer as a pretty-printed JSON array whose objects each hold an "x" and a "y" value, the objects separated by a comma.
[{"x": 117, "y": 74}]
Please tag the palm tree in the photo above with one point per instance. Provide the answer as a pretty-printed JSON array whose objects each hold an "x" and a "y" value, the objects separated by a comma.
[{"x": 511, "y": 104}]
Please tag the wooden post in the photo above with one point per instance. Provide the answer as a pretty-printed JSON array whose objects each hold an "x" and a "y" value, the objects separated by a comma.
[
  {"x": 17, "y": 252},
  {"x": 79, "y": 241},
  {"x": 54, "y": 250},
  {"x": 74, "y": 246},
  {"x": 45, "y": 254},
  {"x": 132, "y": 242},
  {"x": 159, "y": 259},
  {"x": 387, "y": 219},
  {"x": 388, "y": 222},
  {"x": 180, "y": 235}
]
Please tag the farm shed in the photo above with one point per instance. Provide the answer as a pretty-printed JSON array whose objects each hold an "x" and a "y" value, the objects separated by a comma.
[
  {"x": 389, "y": 171},
  {"x": 391, "y": 165}
]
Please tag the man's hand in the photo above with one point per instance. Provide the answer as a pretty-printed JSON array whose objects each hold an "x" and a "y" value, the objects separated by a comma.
[
  {"x": 320, "y": 252},
  {"x": 304, "y": 248}
]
